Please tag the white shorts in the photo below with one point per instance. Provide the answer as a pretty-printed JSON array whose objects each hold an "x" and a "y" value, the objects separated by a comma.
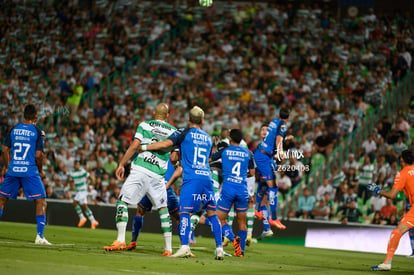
[
  {"x": 81, "y": 197},
  {"x": 251, "y": 184},
  {"x": 140, "y": 183}
]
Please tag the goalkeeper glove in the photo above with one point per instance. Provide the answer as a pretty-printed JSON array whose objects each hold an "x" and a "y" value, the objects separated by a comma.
[{"x": 376, "y": 189}]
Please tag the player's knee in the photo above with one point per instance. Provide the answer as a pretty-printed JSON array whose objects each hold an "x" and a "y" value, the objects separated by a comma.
[{"x": 140, "y": 211}]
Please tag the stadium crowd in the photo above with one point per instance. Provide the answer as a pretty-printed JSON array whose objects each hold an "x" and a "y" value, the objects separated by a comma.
[{"x": 239, "y": 63}]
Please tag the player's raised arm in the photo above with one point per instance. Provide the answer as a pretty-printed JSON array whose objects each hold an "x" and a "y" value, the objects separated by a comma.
[
  {"x": 5, "y": 156},
  {"x": 157, "y": 145},
  {"x": 39, "y": 151},
  {"x": 177, "y": 173}
]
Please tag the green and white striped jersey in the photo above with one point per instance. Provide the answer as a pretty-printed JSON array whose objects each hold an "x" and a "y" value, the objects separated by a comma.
[
  {"x": 366, "y": 176},
  {"x": 80, "y": 179},
  {"x": 150, "y": 132}
]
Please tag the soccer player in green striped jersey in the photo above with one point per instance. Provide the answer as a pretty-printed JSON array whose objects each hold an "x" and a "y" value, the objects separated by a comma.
[
  {"x": 147, "y": 171},
  {"x": 80, "y": 177}
]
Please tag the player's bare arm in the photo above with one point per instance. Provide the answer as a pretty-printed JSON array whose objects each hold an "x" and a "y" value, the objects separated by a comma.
[
  {"x": 157, "y": 145},
  {"x": 391, "y": 194},
  {"x": 177, "y": 173},
  {"x": 39, "y": 162},
  {"x": 128, "y": 154},
  {"x": 5, "y": 156},
  {"x": 252, "y": 173}
]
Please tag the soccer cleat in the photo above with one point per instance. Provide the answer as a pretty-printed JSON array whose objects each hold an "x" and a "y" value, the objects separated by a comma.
[
  {"x": 259, "y": 215},
  {"x": 94, "y": 225},
  {"x": 224, "y": 252},
  {"x": 411, "y": 256},
  {"x": 183, "y": 252},
  {"x": 41, "y": 241},
  {"x": 267, "y": 234},
  {"x": 82, "y": 222},
  {"x": 236, "y": 246},
  {"x": 381, "y": 267},
  {"x": 277, "y": 224},
  {"x": 226, "y": 241},
  {"x": 131, "y": 246},
  {"x": 249, "y": 240},
  {"x": 192, "y": 255},
  {"x": 219, "y": 254},
  {"x": 167, "y": 253},
  {"x": 115, "y": 246}
]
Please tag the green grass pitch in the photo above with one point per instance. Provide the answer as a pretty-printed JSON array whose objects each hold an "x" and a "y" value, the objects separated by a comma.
[{"x": 80, "y": 251}]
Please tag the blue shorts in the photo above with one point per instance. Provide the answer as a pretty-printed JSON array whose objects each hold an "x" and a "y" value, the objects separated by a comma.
[
  {"x": 196, "y": 195},
  {"x": 265, "y": 166},
  {"x": 172, "y": 202},
  {"x": 233, "y": 194},
  {"x": 32, "y": 186}
]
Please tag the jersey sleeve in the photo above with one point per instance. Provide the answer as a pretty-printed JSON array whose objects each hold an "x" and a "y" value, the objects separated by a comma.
[
  {"x": 217, "y": 154},
  {"x": 178, "y": 136},
  {"x": 399, "y": 181},
  {"x": 140, "y": 132},
  {"x": 40, "y": 142},
  {"x": 282, "y": 131},
  {"x": 7, "y": 141}
]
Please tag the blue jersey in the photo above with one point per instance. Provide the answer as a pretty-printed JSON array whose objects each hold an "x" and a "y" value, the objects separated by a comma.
[
  {"x": 24, "y": 140},
  {"x": 235, "y": 161},
  {"x": 195, "y": 148},
  {"x": 277, "y": 127}
]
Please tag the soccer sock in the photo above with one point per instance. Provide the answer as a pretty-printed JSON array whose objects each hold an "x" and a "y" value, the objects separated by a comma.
[
  {"x": 230, "y": 217},
  {"x": 166, "y": 227},
  {"x": 185, "y": 228},
  {"x": 250, "y": 220},
  {"x": 194, "y": 221},
  {"x": 392, "y": 245},
  {"x": 121, "y": 220},
  {"x": 41, "y": 222},
  {"x": 90, "y": 216},
  {"x": 266, "y": 225},
  {"x": 273, "y": 202},
  {"x": 243, "y": 237},
  {"x": 207, "y": 221},
  {"x": 227, "y": 232},
  {"x": 1, "y": 212},
  {"x": 137, "y": 225},
  {"x": 78, "y": 210},
  {"x": 216, "y": 228},
  {"x": 411, "y": 233}
]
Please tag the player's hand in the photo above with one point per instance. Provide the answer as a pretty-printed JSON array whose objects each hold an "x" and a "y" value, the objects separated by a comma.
[
  {"x": 120, "y": 172},
  {"x": 42, "y": 175},
  {"x": 376, "y": 189}
]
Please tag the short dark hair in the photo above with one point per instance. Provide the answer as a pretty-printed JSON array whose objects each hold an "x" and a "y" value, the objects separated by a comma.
[
  {"x": 236, "y": 135},
  {"x": 284, "y": 113},
  {"x": 408, "y": 156},
  {"x": 30, "y": 112}
]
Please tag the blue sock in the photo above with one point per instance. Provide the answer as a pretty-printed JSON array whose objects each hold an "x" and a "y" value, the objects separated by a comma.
[
  {"x": 227, "y": 232},
  {"x": 216, "y": 228},
  {"x": 266, "y": 225},
  {"x": 1, "y": 212},
  {"x": 243, "y": 237},
  {"x": 411, "y": 234},
  {"x": 185, "y": 228},
  {"x": 207, "y": 222},
  {"x": 41, "y": 222},
  {"x": 137, "y": 225},
  {"x": 273, "y": 202}
]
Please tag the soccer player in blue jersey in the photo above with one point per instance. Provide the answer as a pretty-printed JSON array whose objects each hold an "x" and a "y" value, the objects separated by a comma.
[
  {"x": 237, "y": 163},
  {"x": 24, "y": 142},
  {"x": 271, "y": 146},
  {"x": 145, "y": 204},
  {"x": 197, "y": 188}
]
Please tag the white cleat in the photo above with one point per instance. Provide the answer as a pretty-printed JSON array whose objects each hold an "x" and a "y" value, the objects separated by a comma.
[
  {"x": 219, "y": 254},
  {"x": 381, "y": 267},
  {"x": 410, "y": 256},
  {"x": 183, "y": 252},
  {"x": 41, "y": 241}
]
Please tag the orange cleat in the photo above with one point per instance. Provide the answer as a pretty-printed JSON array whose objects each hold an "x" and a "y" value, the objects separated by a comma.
[
  {"x": 94, "y": 225},
  {"x": 277, "y": 224},
  {"x": 167, "y": 253},
  {"x": 236, "y": 246},
  {"x": 131, "y": 246},
  {"x": 259, "y": 215},
  {"x": 82, "y": 222},
  {"x": 115, "y": 246}
]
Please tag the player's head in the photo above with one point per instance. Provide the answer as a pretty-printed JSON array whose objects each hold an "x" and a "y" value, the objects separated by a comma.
[
  {"x": 284, "y": 113},
  {"x": 30, "y": 112},
  {"x": 161, "y": 111},
  {"x": 263, "y": 131},
  {"x": 236, "y": 135},
  {"x": 408, "y": 157},
  {"x": 77, "y": 165},
  {"x": 196, "y": 115}
]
